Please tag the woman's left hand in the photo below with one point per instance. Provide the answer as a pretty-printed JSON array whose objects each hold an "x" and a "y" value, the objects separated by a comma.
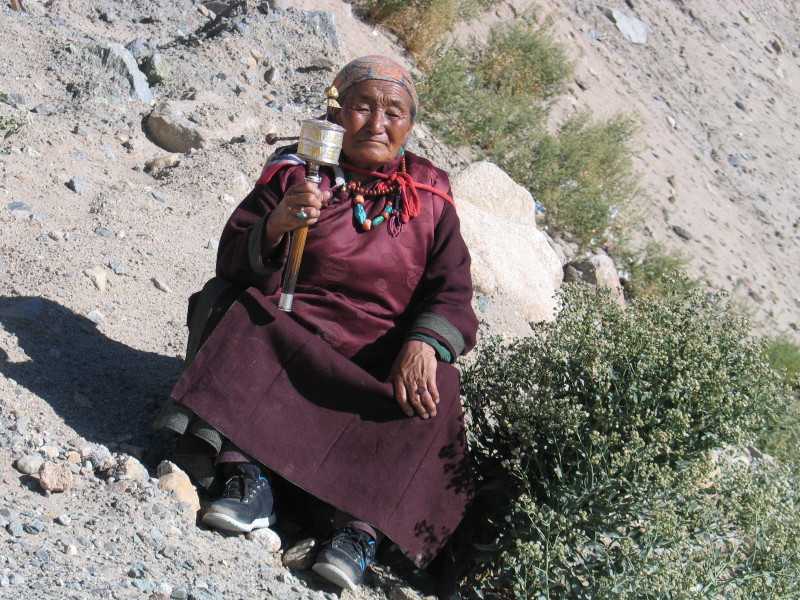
[{"x": 414, "y": 378}]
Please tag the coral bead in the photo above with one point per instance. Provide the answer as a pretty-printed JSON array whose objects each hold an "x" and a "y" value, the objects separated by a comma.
[
  {"x": 358, "y": 199},
  {"x": 367, "y": 225}
]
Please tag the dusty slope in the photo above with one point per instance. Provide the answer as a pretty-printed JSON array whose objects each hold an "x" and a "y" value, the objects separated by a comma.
[
  {"x": 714, "y": 90},
  {"x": 80, "y": 365}
]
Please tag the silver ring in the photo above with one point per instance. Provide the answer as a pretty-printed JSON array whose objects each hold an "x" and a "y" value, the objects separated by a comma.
[{"x": 301, "y": 214}]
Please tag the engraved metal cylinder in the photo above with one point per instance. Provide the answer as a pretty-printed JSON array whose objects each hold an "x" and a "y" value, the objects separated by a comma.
[{"x": 320, "y": 142}]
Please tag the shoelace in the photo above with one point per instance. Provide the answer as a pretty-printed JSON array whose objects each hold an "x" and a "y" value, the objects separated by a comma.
[{"x": 359, "y": 545}]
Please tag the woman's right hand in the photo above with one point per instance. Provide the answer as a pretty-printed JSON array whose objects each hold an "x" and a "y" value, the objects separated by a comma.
[{"x": 302, "y": 197}]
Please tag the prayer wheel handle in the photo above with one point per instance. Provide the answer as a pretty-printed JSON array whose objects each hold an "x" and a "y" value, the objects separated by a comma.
[{"x": 320, "y": 144}]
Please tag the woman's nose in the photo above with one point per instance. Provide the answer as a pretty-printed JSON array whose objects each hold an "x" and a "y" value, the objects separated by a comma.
[{"x": 376, "y": 121}]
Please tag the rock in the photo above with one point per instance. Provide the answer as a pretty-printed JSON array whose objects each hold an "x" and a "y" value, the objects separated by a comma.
[
  {"x": 736, "y": 160},
  {"x": 20, "y": 210},
  {"x": 301, "y": 556},
  {"x": 279, "y": 4},
  {"x": 507, "y": 197},
  {"x": 160, "y": 285},
  {"x": 54, "y": 477},
  {"x": 266, "y": 538},
  {"x": 138, "y": 48},
  {"x": 99, "y": 456},
  {"x": 510, "y": 257},
  {"x": 631, "y": 28},
  {"x": 15, "y": 529},
  {"x": 155, "y": 68},
  {"x": 99, "y": 277},
  {"x": 78, "y": 185},
  {"x": 322, "y": 25},
  {"x": 64, "y": 520},
  {"x": 172, "y": 479},
  {"x": 403, "y": 593},
  {"x": 206, "y": 118},
  {"x": 96, "y": 316},
  {"x": 597, "y": 270},
  {"x": 122, "y": 65},
  {"x": 162, "y": 162},
  {"x": 29, "y": 464},
  {"x": 681, "y": 232},
  {"x": 118, "y": 268},
  {"x": 127, "y": 467},
  {"x": 82, "y": 401}
]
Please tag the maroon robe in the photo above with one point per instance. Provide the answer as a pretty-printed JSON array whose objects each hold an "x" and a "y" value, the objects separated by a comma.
[{"x": 305, "y": 392}]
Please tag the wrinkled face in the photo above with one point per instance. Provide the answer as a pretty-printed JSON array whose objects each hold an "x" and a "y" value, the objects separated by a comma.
[{"x": 377, "y": 118}]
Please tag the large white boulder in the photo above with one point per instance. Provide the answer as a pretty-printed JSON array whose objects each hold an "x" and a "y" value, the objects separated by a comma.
[{"x": 512, "y": 260}]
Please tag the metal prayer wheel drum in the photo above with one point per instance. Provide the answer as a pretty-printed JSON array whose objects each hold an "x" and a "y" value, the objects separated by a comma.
[{"x": 320, "y": 142}]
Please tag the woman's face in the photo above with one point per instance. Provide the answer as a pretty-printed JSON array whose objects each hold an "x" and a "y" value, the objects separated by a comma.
[{"x": 377, "y": 119}]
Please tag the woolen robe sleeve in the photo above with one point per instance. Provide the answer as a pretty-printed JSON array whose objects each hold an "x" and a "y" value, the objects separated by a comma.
[
  {"x": 445, "y": 312},
  {"x": 242, "y": 257}
]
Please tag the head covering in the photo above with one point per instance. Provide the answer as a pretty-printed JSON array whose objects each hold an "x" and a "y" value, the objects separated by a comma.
[{"x": 376, "y": 67}]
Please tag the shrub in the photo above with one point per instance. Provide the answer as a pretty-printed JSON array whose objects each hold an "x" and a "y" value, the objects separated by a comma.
[
  {"x": 421, "y": 24},
  {"x": 8, "y": 127},
  {"x": 584, "y": 175},
  {"x": 651, "y": 269},
  {"x": 597, "y": 443}
]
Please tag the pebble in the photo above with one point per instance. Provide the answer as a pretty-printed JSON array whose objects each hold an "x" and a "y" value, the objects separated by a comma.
[
  {"x": 54, "y": 477},
  {"x": 63, "y": 520},
  {"x": 104, "y": 232},
  {"x": 681, "y": 232},
  {"x": 118, "y": 268},
  {"x": 78, "y": 185},
  {"x": 19, "y": 209},
  {"x": 179, "y": 594},
  {"x": 15, "y": 528},
  {"x": 99, "y": 277},
  {"x": 159, "y": 197},
  {"x": 301, "y": 555},
  {"x": 162, "y": 162},
  {"x": 160, "y": 285},
  {"x": 737, "y": 160},
  {"x": 29, "y": 464},
  {"x": 266, "y": 538},
  {"x": 96, "y": 317}
]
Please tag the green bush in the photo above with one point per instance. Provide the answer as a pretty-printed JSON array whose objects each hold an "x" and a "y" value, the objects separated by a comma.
[
  {"x": 8, "y": 127},
  {"x": 597, "y": 442},
  {"x": 421, "y": 24},
  {"x": 650, "y": 270}
]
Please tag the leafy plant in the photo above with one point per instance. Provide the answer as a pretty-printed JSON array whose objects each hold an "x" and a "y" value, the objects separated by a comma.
[
  {"x": 650, "y": 270},
  {"x": 8, "y": 127},
  {"x": 598, "y": 441}
]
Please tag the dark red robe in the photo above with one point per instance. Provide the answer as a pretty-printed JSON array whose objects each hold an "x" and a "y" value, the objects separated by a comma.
[{"x": 305, "y": 392}]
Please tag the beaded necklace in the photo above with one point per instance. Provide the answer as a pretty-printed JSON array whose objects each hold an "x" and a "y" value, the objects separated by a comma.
[{"x": 390, "y": 190}]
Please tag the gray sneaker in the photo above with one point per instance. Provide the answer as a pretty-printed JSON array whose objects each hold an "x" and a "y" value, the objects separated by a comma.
[
  {"x": 343, "y": 559},
  {"x": 245, "y": 504}
]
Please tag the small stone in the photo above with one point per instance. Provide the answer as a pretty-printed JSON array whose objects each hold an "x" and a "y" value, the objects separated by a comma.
[
  {"x": 179, "y": 484},
  {"x": 127, "y": 467},
  {"x": 15, "y": 529},
  {"x": 403, "y": 593},
  {"x": 159, "y": 197},
  {"x": 104, "y": 232},
  {"x": 69, "y": 549},
  {"x": 64, "y": 520},
  {"x": 179, "y": 594},
  {"x": 681, "y": 232},
  {"x": 155, "y": 68},
  {"x": 29, "y": 464},
  {"x": 54, "y": 477},
  {"x": 737, "y": 160},
  {"x": 96, "y": 317},
  {"x": 160, "y": 285},
  {"x": 99, "y": 277},
  {"x": 740, "y": 105},
  {"x": 162, "y": 162},
  {"x": 118, "y": 268},
  {"x": 301, "y": 555},
  {"x": 266, "y": 538},
  {"x": 78, "y": 185},
  {"x": 82, "y": 401}
]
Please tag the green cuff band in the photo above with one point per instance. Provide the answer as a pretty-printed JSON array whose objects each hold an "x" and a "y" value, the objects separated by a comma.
[{"x": 442, "y": 353}]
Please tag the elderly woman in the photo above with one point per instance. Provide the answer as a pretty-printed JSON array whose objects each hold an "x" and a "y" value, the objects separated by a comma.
[{"x": 352, "y": 396}]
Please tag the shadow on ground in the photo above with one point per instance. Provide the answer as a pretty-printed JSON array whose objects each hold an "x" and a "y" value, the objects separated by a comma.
[{"x": 106, "y": 391}]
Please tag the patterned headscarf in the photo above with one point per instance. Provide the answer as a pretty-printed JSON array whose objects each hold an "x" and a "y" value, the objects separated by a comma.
[{"x": 376, "y": 67}]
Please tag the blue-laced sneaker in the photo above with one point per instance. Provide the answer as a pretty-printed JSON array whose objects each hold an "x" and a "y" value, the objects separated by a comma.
[
  {"x": 245, "y": 504},
  {"x": 343, "y": 559}
]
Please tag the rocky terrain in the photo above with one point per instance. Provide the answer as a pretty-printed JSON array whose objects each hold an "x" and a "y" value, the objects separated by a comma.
[{"x": 109, "y": 221}]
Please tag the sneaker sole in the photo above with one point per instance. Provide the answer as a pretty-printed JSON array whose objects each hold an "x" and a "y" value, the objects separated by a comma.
[
  {"x": 228, "y": 523},
  {"x": 335, "y": 575}
]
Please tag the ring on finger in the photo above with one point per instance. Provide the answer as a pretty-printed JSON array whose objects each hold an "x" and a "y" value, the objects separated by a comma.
[
  {"x": 422, "y": 389},
  {"x": 301, "y": 214}
]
